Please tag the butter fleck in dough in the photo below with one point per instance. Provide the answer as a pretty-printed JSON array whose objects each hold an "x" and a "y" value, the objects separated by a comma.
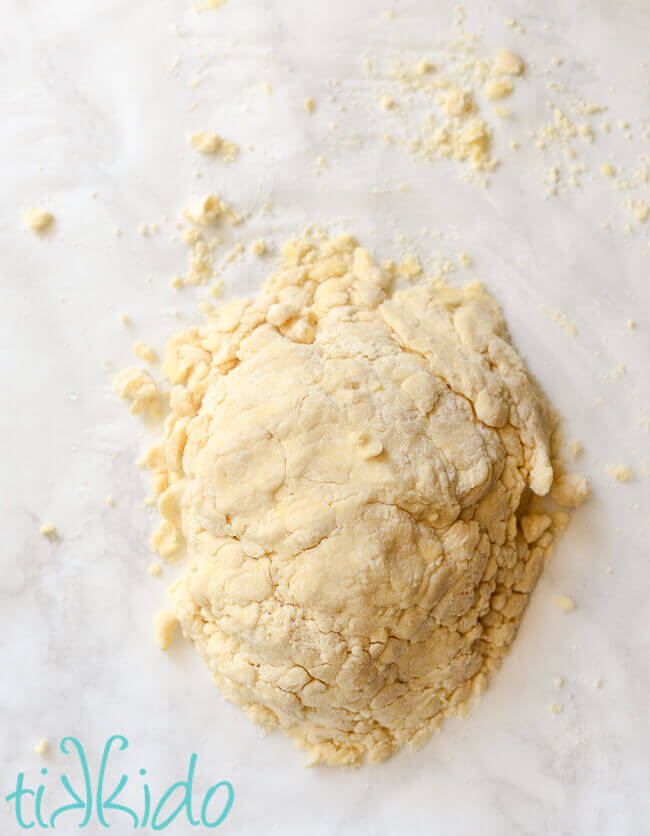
[{"x": 350, "y": 470}]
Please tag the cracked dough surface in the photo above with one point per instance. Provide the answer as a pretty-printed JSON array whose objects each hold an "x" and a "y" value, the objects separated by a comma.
[{"x": 351, "y": 471}]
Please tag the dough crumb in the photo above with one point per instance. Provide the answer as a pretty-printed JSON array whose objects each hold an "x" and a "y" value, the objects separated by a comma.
[
  {"x": 498, "y": 89},
  {"x": 556, "y": 708},
  {"x": 138, "y": 388},
  {"x": 206, "y": 211},
  {"x": 110, "y": 501},
  {"x": 534, "y": 525},
  {"x": 258, "y": 247},
  {"x": 558, "y": 317},
  {"x": 631, "y": 324},
  {"x": 144, "y": 352},
  {"x": 49, "y": 530},
  {"x": 166, "y": 539},
  {"x": 559, "y": 682},
  {"x": 209, "y": 143},
  {"x": 37, "y": 219},
  {"x": 165, "y": 625},
  {"x": 125, "y": 319},
  {"x": 410, "y": 268},
  {"x": 608, "y": 170},
  {"x": 507, "y": 62},
  {"x": 41, "y": 747},
  {"x": 640, "y": 210},
  {"x": 155, "y": 569},
  {"x": 575, "y": 448},
  {"x": 570, "y": 490},
  {"x": 309, "y": 104},
  {"x": 564, "y": 603},
  {"x": 208, "y": 5},
  {"x": 620, "y": 472}
]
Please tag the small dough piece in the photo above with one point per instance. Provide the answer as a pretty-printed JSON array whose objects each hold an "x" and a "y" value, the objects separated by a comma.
[
  {"x": 138, "y": 388},
  {"x": 507, "y": 62},
  {"x": 457, "y": 101},
  {"x": 258, "y": 247},
  {"x": 350, "y": 469},
  {"x": 208, "y": 143},
  {"x": 48, "y": 530},
  {"x": 564, "y": 603},
  {"x": 498, "y": 88},
  {"x": 166, "y": 539},
  {"x": 165, "y": 625},
  {"x": 144, "y": 352},
  {"x": 41, "y": 747},
  {"x": 207, "y": 211},
  {"x": 575, "y": 448},
  {"x": 38, "y": 219},
  {"x": 621, "y": 472},
  {"x": 570, "y": 490}
]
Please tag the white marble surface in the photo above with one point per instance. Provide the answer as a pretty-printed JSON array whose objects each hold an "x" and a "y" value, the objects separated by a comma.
[{"x": 94, "y": 101}]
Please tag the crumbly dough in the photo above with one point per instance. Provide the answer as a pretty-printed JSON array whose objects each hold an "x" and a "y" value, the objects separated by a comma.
[
  {"x": 456, "y": 129},
  {"x": 351, "y": 470}
]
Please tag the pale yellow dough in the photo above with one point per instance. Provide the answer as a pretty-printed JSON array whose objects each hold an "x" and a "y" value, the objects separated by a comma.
[
  {"x": 38, "y": 219},
  {"x": 351, "y": 471},
  {"x": 138, "y": 388}
]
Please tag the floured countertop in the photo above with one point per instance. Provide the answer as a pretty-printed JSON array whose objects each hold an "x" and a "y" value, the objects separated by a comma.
[{"x": 100, "y": 104}]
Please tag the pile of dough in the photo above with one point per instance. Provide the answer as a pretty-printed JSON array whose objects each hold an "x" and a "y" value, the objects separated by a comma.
[{"x": 352, "y": 471}]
